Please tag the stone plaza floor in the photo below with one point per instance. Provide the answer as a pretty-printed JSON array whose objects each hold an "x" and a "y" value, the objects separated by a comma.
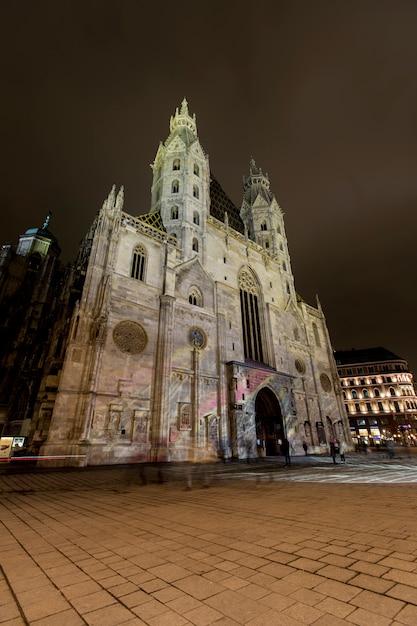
[{"x": 261, "y": 546}]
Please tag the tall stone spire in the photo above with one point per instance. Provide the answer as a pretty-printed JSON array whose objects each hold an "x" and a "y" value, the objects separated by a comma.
[{"x": 183, "y": 118}]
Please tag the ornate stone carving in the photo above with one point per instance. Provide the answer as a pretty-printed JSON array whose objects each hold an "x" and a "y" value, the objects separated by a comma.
[
  {"x": 130, "y": 337},
  {"x": 184, "y": 416}
]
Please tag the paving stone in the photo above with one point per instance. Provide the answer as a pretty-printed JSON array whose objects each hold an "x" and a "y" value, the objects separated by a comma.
[
  {"x": 367, "y": 618},
  {"x": 377, "y": 603},
  {"x": 64, "y": 618},
  {"x": 199, "y": 588},
  {"x": 407, "y": 615},
  {"x": 203, "y": 615},
  {"x": 235, "y": 606},
  {"x": 403, "y": 592},
  {"x": 92, "y": 601},
  {"x": 304, "y": 613},
  {"x": 108, "y": 616}
]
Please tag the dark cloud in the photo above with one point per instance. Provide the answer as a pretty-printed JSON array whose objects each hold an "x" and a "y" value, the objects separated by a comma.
[{"x": 322, "y": 94}]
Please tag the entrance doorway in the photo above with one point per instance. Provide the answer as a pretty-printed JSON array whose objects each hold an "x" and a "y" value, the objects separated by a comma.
[{"x": 269, "y": 425}]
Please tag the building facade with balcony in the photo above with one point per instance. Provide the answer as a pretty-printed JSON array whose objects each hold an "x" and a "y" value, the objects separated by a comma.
[{"x": 379, "y": 395}]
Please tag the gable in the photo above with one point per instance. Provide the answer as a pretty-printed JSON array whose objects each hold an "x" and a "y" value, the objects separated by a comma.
[{"x": 192, "y": 274}]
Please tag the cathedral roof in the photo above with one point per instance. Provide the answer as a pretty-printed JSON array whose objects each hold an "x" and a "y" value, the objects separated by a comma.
[
  {"x": 220, "y": 203},
  {"x": 153, "y": 219}
]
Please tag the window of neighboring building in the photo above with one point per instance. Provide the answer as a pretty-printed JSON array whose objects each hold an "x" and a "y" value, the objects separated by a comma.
[
  {"x": 175, "y": 187},
  {"x": 357, "y": 407},
  {"x": 137, "y": 270},
  {"x": 391, "y": 391},
  {"x": 176, "y": 164},
  {"x": 380, "y": 406},
  {"x": 365, "y": 393},
  {"x": 251, "y": 320},
  {"x": 354, "y": 394}
]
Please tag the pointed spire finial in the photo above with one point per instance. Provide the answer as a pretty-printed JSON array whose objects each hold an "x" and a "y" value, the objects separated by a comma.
[
  {"x": 47, "y": 220},
  {"x": 120, "y": 198},
  {"x": 184, "y": 107}
]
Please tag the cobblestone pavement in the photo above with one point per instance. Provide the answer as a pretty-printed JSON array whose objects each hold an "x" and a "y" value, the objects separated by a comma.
[{"x": 264, "y": 545}]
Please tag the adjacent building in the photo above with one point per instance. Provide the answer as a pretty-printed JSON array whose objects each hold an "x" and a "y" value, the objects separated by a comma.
[
  {"x": 37, "y": 296},
  {"x": 379, "y": 395}
]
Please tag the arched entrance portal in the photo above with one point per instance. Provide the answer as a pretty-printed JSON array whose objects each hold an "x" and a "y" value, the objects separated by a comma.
[{"x": 269, "y": 425}]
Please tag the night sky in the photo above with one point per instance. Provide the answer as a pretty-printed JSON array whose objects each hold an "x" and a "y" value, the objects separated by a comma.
[{"x": 323, "y": 94}]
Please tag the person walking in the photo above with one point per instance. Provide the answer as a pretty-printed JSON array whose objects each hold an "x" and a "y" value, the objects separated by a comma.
[
  {"x": 342, "y": 451},
  {"x": 285, "y": 451},
  {"x": 333, "y": 450},
  {"x": 305, "y": 448}
]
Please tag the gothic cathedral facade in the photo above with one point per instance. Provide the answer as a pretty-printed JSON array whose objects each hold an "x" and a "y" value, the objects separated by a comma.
[{"x": 189, "y": 333}]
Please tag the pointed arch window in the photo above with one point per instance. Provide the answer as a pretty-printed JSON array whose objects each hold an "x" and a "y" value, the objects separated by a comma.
[
  {"x": 251, "y": 321},
  {"x": 195, "y": 298},
  {"x": 196, "y": 169},
  {"x": 263, "y": 226},
  {"x": 176, "y": 164},
  {"x": 316, "y": 335},
  {"x": 175, "y": 187},
  {"x": 196, "y": 191},
  {"x": 196, "y": 218},
  {"x": 195, "y": 245},
  {"x": 137, "y": 270},
  {"x": 174, "y": 213}
]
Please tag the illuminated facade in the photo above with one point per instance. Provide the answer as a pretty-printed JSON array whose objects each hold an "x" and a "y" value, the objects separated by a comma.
[
  {"x": 189, "y": 333},
  {"x": 379, "y": 395}
]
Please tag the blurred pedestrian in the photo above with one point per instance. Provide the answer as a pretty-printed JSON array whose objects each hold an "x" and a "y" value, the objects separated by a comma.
[
  {"x": 285, "y": 451},
  {"x": 305, "y": 448},
  {"x": 342, "y": 451},
  {"x": 333, "y": 450}
]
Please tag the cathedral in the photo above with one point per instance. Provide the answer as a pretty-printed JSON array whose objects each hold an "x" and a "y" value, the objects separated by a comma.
[{"x": 188, "y": 337}]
